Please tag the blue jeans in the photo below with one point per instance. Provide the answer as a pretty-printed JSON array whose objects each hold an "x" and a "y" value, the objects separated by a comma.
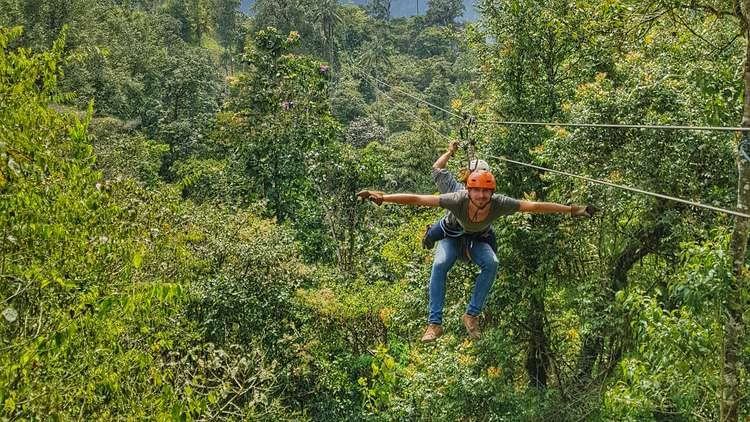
[{"x": 446, "y": 253}]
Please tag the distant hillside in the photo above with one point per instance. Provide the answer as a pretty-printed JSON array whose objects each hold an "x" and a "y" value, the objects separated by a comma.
[{"x": 399, "y": 8}]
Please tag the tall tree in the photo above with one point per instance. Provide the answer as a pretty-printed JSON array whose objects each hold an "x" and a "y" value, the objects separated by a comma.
[
  {"x": 444, "y": 12},
  {"x": 279, "y": 115},
  {"x": 284, "y": 15},
  {"x": 325, "y": 17},
  {"x": 379, "y": 9},
  {"x": 690, "y": 17},
  {"x": 734, "y": 326},
  {"x": 226, "y": 21}
]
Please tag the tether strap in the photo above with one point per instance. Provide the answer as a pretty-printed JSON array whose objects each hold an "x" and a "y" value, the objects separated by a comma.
[{"x": 467, "y": 140}]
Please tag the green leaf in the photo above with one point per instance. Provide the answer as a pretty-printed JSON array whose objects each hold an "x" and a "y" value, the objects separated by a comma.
[
  {"x": 9, "y": 405},
  {"x": 138, "y": 258}
]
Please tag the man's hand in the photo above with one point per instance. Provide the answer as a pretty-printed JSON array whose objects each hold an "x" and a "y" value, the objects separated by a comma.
[
  {"x": 371, "y": 195},
  {"x": 583, "y": 211},
  {"x": 453, "y": 147}
]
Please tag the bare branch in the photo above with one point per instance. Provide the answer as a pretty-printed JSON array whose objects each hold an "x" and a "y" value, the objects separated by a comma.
[
  {"x": 727, "y": 45},
  {"x": 677, "y": 18}
]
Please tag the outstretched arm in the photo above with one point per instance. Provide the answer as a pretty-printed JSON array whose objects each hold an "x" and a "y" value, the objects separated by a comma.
[
  {"x": 400, "y": 198},
  {"x": 554, "y": 208},
  {"x": 412, "y": 199},
  {"x": 442, "y": 161}
]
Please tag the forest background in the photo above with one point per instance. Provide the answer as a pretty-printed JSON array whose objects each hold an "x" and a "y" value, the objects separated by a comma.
[{"x": 180, "y": 237}]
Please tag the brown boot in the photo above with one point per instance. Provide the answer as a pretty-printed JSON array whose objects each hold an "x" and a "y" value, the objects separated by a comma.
[
  {"x": 472, "y": 326},
  {"x": 432, "y": 333}
]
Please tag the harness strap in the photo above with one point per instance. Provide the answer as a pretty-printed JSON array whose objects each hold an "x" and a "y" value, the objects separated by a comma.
[{"x": 450, "y": 232}]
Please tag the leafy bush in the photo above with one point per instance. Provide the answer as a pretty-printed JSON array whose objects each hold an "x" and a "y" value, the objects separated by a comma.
[
  {"x": 254, "y": 273},
  {"x": 122, "y": 153}
]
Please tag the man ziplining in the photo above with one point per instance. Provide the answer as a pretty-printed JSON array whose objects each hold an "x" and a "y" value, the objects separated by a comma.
[
  {"x": 446, "y": 183},
  {"x": 474, "y": 210}
]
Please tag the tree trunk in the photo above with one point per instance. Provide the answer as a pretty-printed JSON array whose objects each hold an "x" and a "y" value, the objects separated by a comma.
[
  {"x": 733, "y": 324},
  {"x": 537, "y": 355},
  {"x": 592, "y": 349}
]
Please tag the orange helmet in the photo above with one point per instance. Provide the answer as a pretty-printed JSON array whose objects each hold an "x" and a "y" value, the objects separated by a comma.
[{"x": 481, "y": 179}]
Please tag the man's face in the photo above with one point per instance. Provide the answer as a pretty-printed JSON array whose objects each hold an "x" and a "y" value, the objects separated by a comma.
[{"x": 480, "y": 197}]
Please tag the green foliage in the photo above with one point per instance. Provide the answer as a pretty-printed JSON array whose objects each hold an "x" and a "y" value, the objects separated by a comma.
[
  {"x": 202, "y": 179},
  {"x": 278, "y": 119},
  {"x": 220, "y": 382},
  {"x": 444, "y": 12},
  {"x": 51, "y": 207},
  {"x": 142, "y": 272},
  {"x": 173, "y": 116},
  {"x": 354, "y": 29},
  {"x": 67, "y": 259},
  {"x": 705, "y": 274},
  {"x": 434, "y": 41},
  {"x": 379, "y": 9},
  {"x": 378, "y": 389},
  {"x": 333, "y": 223},
  {"x": 315, "y": 20},
  {"x": 122, "y": 153},
  {"x": 652, "y": 383},
  {"x": 363, "y": 131},
  {"x": 253, "y": 277},
  {"x": 346, "y": 325}
]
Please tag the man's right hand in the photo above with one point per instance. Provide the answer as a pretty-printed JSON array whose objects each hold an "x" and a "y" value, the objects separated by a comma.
[
  {"x": 453, "y": 147},
  {"x": 371, "y": 195}
]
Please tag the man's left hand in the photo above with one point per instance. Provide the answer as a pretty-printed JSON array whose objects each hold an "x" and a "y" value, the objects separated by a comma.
[{"x": 583, "y": 211}]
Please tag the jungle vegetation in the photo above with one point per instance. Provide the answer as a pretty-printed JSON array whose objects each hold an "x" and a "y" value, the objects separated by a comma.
[{"x": 180, "y": 239}]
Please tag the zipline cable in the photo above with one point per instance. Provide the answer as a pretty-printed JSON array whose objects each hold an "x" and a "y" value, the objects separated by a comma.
[
  {"x": 624, "y": 187},
  {"x": 591, "y": 179},
  {"x": 414, "y": 116},
  {"x": 562, "y": 124},
  {"x": 617, "y": 126},
  {"x": 425, "y": 102}
]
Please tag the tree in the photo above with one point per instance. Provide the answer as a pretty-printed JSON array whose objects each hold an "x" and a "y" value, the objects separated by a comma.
[
  {"x": 183, "y": 90},
  {"x": 183, "y": 14},
  {"x": 528, "y": 75},
  {"x": 277, "y": 115},
  {"x": 325, "y": 17},
  {"x": 536, "y": 80},
  {"x": 284, "y": 15},
  {"x": 444, "y": 12},
  {"x": 380, "y": 9},
  {"x": 719, "y": 40},
  {"x": 363, "y": 131},
  {"x": 734, "y": 326},
  {"x": 226, "y": 21}
]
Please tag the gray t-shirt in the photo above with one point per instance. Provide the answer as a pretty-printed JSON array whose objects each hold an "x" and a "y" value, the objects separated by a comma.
[
  {"x": 458, "y": 204},
  {"x": 445, "y": 181}
]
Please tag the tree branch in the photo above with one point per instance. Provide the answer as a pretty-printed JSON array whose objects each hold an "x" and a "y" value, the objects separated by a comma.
[{"x": 677, "y": 18}]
